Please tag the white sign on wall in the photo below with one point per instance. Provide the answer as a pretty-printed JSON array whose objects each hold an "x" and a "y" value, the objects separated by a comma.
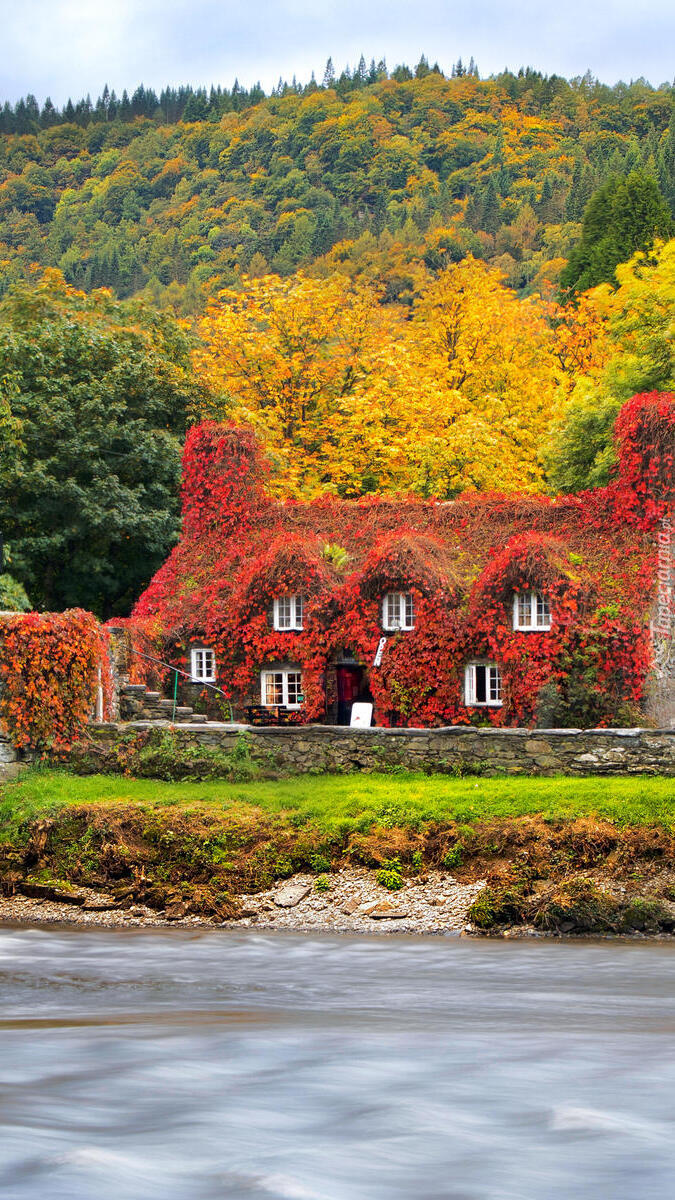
[{"x": 378, "y": 654}]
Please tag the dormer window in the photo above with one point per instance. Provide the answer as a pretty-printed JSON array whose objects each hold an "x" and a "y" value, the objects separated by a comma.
[
  {"x": 289, "y": 612},
  {"x": 202, "y": 665},
  {"x": 531, "y": 611},
  {"x": 398, "y": 611},
  {"x": 483, "y": 684}
]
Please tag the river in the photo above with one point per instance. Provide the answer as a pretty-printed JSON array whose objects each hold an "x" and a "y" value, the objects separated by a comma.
[{"x": 171, "y": 1065}]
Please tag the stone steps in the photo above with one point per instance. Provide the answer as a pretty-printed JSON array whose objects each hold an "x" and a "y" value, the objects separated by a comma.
[{"x": 138, "y": 703}]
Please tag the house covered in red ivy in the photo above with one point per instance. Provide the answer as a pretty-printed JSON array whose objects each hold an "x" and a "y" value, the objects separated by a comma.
[{"x": 501, "y": 609}]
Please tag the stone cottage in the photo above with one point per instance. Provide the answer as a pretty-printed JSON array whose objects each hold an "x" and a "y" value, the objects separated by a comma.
[{"x": 486, "y": 609}]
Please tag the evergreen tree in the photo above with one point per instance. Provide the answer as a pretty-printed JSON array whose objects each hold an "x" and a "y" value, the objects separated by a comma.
[
  {"x": 624, "y": 215},
  {"x": 491, "y": 207}
]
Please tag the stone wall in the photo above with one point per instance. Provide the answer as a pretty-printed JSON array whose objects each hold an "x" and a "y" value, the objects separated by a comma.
[
  {"x": 11, "y": 760},
  {"x": 458, "y": 749}
]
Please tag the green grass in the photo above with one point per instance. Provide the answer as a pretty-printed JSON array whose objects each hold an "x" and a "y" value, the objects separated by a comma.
[{"x": 345, "y": 802}]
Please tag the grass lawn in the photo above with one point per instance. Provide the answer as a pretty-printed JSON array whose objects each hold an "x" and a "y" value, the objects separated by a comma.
[{"x": 340, "y": 803}]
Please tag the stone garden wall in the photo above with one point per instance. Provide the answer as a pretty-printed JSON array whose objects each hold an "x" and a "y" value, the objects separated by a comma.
[
  {"x": 459, "y": 749},
  {"x": 11, "y": 760}
]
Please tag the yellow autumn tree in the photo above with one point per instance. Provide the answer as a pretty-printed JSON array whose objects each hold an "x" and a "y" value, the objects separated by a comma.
[
  {"x": 350, "y": 395},
  {"x": 299, "y": 359},
  {"x": 487, "y": 380}
]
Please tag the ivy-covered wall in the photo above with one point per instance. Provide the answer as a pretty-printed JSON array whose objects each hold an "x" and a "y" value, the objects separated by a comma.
[
  {"x": 592, "y": 556},
  {"x": 54, "y": 675}
]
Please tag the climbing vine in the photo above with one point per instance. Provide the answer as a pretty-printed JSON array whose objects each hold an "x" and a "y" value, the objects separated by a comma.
[
  {"x": 49, "y": 673},
  {"x": 591, "y": 555}
]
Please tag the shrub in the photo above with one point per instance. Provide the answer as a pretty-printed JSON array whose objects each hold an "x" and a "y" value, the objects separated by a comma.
[
  {"x": 497, "y": 906},
  {"x": 453, "y": 857},
  {"x": 577, "y": 905},
  {"x": 319, "y": 863},
  {"x": 322, "y": 883},
  {"x": 160, "y": 754},
  {"x": 645, "y": 916},
  {"x": 283, "y": 867},
  {"x": 389, "y": 874}
]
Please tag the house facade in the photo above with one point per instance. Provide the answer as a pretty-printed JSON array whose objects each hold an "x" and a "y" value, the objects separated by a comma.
[{"x": 489, "y": 609}]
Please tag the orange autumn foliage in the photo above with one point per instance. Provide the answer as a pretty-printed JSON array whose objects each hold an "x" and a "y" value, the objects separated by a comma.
[{"x": 49, "y": 674}]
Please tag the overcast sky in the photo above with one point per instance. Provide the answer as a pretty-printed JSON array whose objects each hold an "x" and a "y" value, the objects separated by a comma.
[{"x": 62, "y": 48}]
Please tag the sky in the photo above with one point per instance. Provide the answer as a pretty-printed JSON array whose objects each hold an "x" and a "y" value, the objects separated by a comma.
[{"x": 62, "y": 48}]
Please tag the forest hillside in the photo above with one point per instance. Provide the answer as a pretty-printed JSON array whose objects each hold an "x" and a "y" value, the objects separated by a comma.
[{"x": 371, "y": 173}]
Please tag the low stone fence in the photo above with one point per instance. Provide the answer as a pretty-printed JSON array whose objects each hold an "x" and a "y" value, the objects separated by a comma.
[
  {"x": 454, "y": 750},
  {"x": 11, "y": 760}
]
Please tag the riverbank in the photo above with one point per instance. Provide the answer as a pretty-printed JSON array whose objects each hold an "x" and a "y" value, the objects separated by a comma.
[
  {"x": 341, "y": 853},
  {"x": 351, "y": 901}
]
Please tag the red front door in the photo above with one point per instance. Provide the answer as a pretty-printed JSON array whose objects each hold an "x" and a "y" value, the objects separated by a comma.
[{"x": 348, "y": 687}]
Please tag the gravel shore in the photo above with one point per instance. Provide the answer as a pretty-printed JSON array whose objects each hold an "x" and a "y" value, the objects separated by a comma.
[{"x": 353, "y": 902}]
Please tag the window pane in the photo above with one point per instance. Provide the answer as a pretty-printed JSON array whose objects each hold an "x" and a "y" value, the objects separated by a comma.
[
  {"x": 294, "y": 687},
  {"x": 495, "y": 683},
  {"x": 409, "y": 610},
  {"x": 284, "y": 612},
  {"x": 299, "y": 611},
  {"x": 274, "y": 687},
  {"x": 543, "y": 612},
  {"x": 481, "y": 693},
  {"x": 392, "y": 610},
  {"x": 523, "y": 610}
]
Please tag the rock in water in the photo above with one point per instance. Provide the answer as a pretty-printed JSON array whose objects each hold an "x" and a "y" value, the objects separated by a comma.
[{"x": 291, "y": 895}]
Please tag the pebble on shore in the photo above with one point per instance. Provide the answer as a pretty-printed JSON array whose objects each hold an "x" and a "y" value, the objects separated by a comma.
[{"x": 354, "y": 902}]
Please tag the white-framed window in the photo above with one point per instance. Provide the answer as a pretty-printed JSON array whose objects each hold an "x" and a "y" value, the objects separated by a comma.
[
  {"x": 531, "y": 610},
  {"x": 398, "y": 611},
  {"x": 281, "y": 687},
  {"x": 483, "y": 684},
  {"x": 202, "y": 665},
  {"x": 289, "y": 612}
]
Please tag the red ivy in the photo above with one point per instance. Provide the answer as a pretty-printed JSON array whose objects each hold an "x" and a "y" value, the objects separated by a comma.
[
  {"x": 591, "y": 554},
  {"x": 49, "y": 670}
]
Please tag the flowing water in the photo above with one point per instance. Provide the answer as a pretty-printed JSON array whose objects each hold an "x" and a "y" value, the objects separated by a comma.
[{"x": 174, "y": 1065}]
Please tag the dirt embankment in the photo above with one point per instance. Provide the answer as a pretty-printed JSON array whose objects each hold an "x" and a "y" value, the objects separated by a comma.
[{"x": 127, "y": 865}]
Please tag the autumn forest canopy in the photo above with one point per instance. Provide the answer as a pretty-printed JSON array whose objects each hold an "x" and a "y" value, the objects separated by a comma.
[{"x": 403, "y": 280}]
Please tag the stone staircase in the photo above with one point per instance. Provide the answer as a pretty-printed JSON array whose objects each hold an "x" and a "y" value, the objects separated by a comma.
[{"x": 138, "y": 703}]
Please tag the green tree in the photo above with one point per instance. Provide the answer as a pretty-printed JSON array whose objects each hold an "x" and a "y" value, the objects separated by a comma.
[
  {"x": 638, "y": 316},
  {"x": 622, "y": 216},
  {"x": 95, "y": 394}
]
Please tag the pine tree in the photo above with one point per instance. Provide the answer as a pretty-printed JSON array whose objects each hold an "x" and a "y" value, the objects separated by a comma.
[
  {"x": 491, "y": 208},
  {"x": 329, "y": 75},
  {"x": 622, "y": 216}
]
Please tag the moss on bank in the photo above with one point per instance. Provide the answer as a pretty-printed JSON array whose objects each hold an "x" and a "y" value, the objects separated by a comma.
[{"x": 562, "y": 855}]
